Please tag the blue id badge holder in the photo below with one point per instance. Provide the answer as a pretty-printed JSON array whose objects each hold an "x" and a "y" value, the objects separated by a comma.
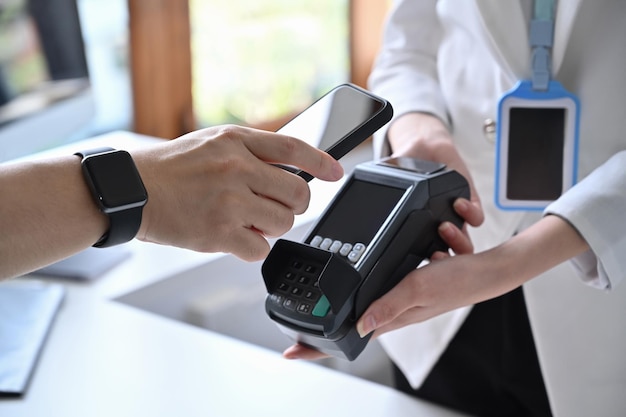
[
  {"x": 537, "y": 130},
  {"x": 536, "y": 146}
]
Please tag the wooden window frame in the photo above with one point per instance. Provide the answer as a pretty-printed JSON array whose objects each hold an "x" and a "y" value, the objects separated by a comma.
[{"x": 160, "y": 63}]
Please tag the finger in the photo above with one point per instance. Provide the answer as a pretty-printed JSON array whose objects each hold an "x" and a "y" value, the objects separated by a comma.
[
  {"x": 412, "y": 316},
  {"x": 456, "y": 240},
  {"x": 471, "y": 211},
  {"x": 247, "y": 244},
  {"x": 281, "y": 186},
  {"x": 256, "y": 218},
  {"x": 299, "y": 351},
  {"x": 269, "y": 217},
  {"x": 387, "y": 308},
  {"x": 437, "y": 256},
  {"x": 286, "y": 150}
]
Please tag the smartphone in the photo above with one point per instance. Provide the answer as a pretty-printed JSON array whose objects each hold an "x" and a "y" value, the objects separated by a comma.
[{"x": 338, "y": 121}]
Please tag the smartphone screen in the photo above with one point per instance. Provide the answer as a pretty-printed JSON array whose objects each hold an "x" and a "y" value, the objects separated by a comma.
[{"x": 339, "y": 121}]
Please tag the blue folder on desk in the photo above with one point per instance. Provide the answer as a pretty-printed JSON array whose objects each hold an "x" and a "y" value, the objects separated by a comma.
[{"x": 27, "y": 310}]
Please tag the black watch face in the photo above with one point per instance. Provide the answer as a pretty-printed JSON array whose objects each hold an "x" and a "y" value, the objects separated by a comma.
[{"x": 116, "y": 181}]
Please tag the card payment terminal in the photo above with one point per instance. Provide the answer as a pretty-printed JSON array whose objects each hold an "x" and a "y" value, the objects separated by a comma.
[{"x": 380, "y": 226}]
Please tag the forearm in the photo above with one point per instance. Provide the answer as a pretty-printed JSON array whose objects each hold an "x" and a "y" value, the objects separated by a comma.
[
  {"x": 408, "y": 58},
  {"x": 462, "y": 280},
  {"x": 596, "y": 207},
  {"x": 542, "y": 246},
  {"x": 46, "y": 214}
]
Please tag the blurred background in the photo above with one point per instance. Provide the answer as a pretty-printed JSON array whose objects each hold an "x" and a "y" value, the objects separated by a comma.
[
  {"x": 166, "y": 67},
  {"x": 254, "y": 63}
]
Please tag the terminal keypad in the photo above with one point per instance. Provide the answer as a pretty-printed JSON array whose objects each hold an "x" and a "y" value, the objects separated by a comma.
[{"x": 299, "y": 291}]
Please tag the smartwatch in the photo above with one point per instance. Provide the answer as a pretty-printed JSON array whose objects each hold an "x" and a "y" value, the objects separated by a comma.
[{"x": 116, "y": 186}]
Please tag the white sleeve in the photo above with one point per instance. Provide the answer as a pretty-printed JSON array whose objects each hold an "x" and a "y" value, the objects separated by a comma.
[
  {"x": 596, "y": 207},
  {"x": 405, "y": 71}
]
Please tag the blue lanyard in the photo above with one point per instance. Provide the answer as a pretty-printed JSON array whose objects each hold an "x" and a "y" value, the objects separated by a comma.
[{"x": 541, "y": 38}]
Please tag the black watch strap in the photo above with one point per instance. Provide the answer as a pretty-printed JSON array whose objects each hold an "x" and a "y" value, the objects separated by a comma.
[
  {"x": 123, "y": 227},
  {"x": 123, "y": 224}
]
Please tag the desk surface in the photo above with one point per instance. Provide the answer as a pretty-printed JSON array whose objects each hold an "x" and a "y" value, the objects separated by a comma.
[
  {"x": 107, "y": 359},
  {"x": 103, "y": 358}
]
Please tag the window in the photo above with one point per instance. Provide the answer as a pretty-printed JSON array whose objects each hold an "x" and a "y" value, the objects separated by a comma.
[
  {"x": 262, "y": 60},
  {"x": 253, "y": 62}
]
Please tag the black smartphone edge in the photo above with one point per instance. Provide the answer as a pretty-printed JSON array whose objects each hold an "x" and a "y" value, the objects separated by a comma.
[{"x": 344, "y": 145}]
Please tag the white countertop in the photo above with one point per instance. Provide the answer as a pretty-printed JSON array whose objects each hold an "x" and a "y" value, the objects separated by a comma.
[{"x": 107, "y": 359}]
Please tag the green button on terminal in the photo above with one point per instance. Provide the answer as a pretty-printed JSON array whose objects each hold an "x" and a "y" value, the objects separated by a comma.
[{"x": 322, "y": 307}]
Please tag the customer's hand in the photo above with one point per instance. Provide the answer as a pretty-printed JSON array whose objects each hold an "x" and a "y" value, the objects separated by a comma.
[{"x": 216, "y": 190}]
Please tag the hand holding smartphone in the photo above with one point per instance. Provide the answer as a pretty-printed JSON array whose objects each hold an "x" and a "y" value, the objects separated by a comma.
[{"x": 338, "y": 121}]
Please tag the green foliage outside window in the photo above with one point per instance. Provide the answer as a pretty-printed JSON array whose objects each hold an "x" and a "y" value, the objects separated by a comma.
[{"x": 258, "y": 60}]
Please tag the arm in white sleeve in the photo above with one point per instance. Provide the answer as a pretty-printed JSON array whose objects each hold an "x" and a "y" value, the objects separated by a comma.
[
  {"x": 596, "y": 207},
  {"x": 405, "y": 71}
]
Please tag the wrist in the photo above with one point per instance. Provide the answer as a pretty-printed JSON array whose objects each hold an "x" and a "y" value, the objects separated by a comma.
[
  {"x": 118, "y": 191},
  {"x": 142, "y": 159},
  {"x": 509, "y": 266},
  {"x": 420, "y": 135},
  {"x": 91, "y": 210}
]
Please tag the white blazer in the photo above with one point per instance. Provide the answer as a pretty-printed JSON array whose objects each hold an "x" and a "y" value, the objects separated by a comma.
[{"x": 454, "y": 59}]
